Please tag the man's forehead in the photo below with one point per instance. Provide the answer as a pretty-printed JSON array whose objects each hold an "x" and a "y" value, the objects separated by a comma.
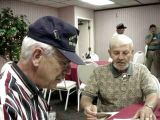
[{"x": 121, "y": 47}]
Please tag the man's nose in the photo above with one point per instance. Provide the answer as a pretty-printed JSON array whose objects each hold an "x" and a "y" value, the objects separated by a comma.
[{"x": 121, "y": 56}]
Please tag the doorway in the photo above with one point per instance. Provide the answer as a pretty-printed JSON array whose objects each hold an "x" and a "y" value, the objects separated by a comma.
[{"x": 84, "y": 42}]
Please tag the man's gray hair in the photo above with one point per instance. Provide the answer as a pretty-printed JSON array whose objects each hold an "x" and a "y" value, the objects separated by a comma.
[
  {"x": 119, "y": 40},
  {"x": 29, "y": 44}
]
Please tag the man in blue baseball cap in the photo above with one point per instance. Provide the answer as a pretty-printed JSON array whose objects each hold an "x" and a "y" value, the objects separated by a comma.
[{"x": 45, "y": 58}]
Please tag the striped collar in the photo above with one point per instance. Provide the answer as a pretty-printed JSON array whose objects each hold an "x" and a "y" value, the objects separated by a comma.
[{"x": 35, "y": 91}]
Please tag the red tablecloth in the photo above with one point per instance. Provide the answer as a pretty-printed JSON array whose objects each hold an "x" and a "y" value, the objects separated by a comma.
[
  {"x": 129, "y": 112},
  {"x": 73, "y": 74}
]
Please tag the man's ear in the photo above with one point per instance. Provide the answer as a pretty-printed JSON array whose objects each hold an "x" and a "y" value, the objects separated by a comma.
[
  {"x": 132, "y": 52},
  {"x": 37, "y": 56}
]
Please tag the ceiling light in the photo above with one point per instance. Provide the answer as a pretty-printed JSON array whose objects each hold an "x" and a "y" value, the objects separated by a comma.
[{"x": 98, "y": 2}]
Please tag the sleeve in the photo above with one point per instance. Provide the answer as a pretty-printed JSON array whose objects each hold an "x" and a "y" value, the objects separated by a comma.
[
  {"x": 7, "y": 112},
  {"x": 148, "y": 38},
  {"x": 9, "y": 108},
  {"x": 149, "y": 83},
  {"x": 158, "y": 36}
]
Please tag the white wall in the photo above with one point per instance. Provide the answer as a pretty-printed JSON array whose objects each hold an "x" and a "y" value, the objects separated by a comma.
[
  {"x": 32, "y": 11},
  {"x": 67, "y": 14},
  {"x": 85, "y": 14},
  {"x": 71, "y": 14},
  {"x": 137, "y": 20}
]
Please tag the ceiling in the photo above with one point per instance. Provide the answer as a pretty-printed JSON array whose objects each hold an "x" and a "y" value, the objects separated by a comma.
[{"x": 118, "y": 3}]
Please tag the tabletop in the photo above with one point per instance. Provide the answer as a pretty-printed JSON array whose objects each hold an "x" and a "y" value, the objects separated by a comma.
[{"x": 129, "y": 111}]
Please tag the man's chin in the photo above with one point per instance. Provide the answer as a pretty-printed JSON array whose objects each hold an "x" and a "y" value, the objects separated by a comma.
[
  {"x": 121, "y": 67},
  {"x": 51, "y": 86}
]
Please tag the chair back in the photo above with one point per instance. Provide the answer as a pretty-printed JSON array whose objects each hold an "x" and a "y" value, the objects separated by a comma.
[
  {"x": 85, "y": 71},
  {"x": 94, "y": 57},
  {"x": 139, "y": 57}
]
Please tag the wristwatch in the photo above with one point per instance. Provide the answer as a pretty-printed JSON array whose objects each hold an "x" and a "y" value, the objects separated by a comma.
[{"x": 150, "y": 106}]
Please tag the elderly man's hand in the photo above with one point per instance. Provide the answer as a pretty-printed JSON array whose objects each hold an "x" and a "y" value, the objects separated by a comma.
[
  {"x": 145, "y": 113},
  {"x": 91, "y": 112}
]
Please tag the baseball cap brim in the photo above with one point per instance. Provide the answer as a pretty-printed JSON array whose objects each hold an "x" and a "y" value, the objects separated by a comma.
[
  {"x": 121, "y": 27},
  {"x": 72, "y": 56}
]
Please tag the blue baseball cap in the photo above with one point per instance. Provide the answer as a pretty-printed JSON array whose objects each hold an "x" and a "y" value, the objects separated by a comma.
[{"x": 55, "y": 32}]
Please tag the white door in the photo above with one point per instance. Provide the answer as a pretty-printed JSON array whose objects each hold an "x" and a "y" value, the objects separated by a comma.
[{"x": 84, "y": 37}]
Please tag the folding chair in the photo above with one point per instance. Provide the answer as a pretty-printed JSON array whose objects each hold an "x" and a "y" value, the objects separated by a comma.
[
  {"x": 64, "y": 85},
  {"x": 84, "y": 72},
  {"x": 139, "y": 57}
]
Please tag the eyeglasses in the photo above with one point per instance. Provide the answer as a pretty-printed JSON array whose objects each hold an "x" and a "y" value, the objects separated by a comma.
[{"x": 63, "y": 62}]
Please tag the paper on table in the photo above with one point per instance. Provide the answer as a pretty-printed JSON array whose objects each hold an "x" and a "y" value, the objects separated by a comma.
[
  {"x": 112, "y": 113},
  {"x": 104, "y": 115},
  {"x": 125, "y": 119}
]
